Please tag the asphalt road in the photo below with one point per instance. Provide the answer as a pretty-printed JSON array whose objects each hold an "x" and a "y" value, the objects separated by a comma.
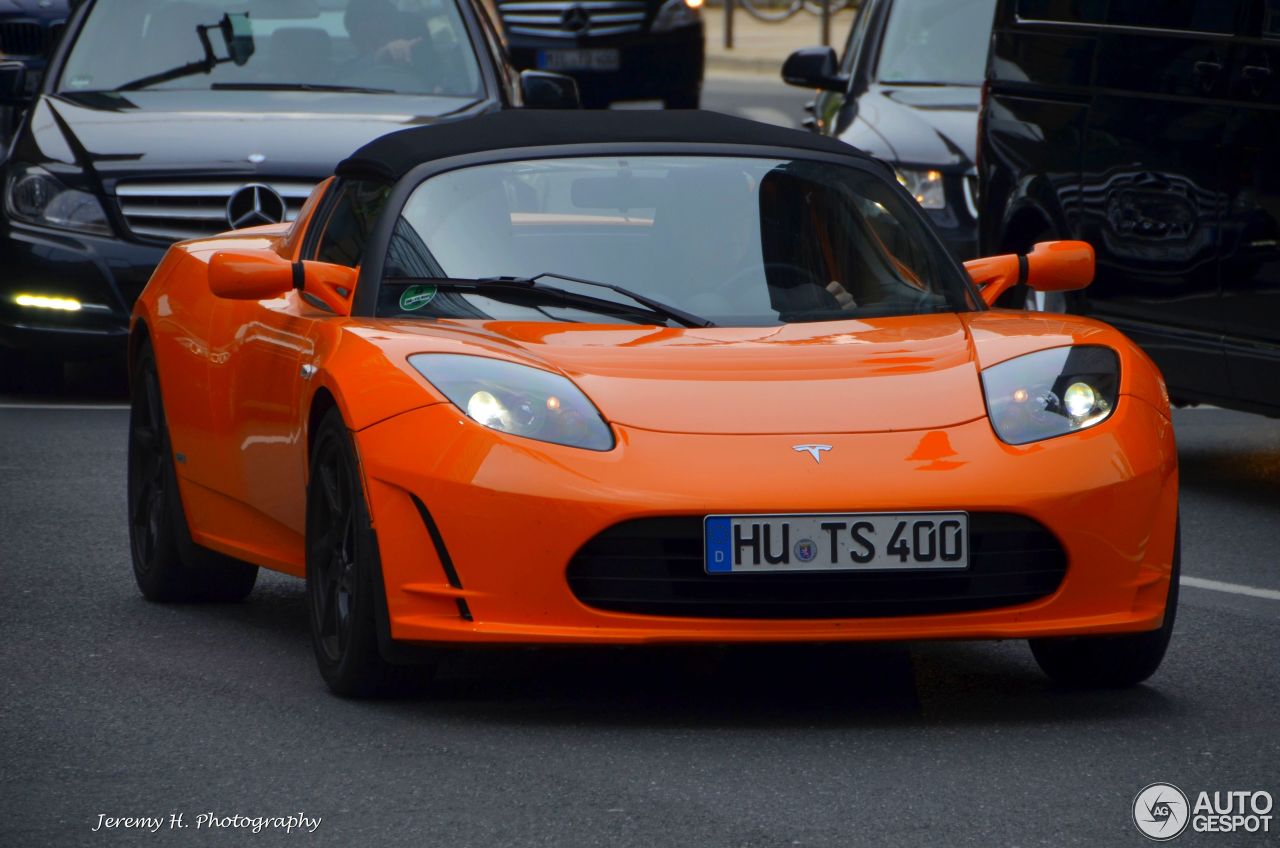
[{"x": 113, "y": 706}]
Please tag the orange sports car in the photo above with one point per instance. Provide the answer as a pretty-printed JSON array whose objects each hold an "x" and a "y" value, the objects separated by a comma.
[{"x": 621, "y": 378}]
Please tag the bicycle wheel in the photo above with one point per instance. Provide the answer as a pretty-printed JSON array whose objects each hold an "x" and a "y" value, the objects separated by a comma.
[{"x": 770, "y": 13}]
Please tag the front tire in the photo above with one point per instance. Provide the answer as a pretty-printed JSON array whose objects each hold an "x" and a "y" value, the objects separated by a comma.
[
  {"x": 1112, "y": 662},
  {"x": 343, "y": 573},
  {"x": 166, "y": 564}
]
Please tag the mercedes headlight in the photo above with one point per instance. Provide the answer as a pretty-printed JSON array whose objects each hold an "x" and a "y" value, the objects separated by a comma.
[
  {"x": 517, "y": 399},
  {"x": 35, "y": 196},
  {"x": 1051, "y": 392},
  {"x": 925, "y": 186},
  {"x": 674, "y": 14}
]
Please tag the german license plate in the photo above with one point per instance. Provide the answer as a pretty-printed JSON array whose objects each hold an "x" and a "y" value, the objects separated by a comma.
[
  {"x": 593, "y": 59},
  {"x": 858, "y": 541}
]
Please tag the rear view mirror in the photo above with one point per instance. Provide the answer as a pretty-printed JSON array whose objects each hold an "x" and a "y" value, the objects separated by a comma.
[
  {"x": 1050, "y": 266},
  {"x": 13, "y": 84},
  {"x": 237, "y": 34},
  {"x": 263, "y": 274},
  {"x": 814, "y": 67},
  {"x": 542, "y": 90}
]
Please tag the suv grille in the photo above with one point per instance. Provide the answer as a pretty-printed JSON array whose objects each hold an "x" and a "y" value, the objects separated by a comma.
[
  {"x": 175, "y": 210},
  {"x": 654, "y": 566},
  {"x": 548, "y": 18},
  {"x": 23, "y": 39}
]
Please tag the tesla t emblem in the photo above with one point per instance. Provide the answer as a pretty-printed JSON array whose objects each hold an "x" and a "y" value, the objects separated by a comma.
[
  {"x": 814, "y": 451},
  {"x": 575, "y": 18},
  {"x": 254, "y": 204}
]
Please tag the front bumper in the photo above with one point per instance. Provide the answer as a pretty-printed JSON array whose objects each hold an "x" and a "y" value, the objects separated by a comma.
[
  {"x": 512, "y": 514},
  {"x": 104, "y": 274},
  {"x": 651, "y": 66}
]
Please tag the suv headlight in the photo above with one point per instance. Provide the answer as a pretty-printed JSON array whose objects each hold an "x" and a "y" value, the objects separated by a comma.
[
  {"x": 35, "y": 196},
  {"x": 517, "y": 399},
  {"x": 925, "y": 186},
  {"x": 674, "y": 14},
  {"x": 1051, "y": 392}
]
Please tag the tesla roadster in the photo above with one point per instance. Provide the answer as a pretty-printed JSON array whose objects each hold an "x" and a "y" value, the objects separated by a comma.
[{"x": 621, "y": 378}]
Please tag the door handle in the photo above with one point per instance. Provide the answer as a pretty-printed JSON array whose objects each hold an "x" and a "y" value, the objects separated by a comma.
[
  {"x": 1206, "y": 72},
  {"x": 1256, "y": 73}
]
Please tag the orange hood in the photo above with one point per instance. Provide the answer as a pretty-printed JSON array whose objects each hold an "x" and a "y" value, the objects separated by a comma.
[{"x": 877, "y": 375}]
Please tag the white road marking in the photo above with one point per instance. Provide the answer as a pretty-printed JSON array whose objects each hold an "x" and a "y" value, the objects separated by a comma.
[
  {"x": 8, "y": 405},
  {"x": 1232, "y": 588},
  {"x": 769, "y": 115}
]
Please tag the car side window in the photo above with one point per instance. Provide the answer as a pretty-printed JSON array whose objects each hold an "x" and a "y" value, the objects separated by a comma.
[
  {"x": 1271, "y": 20},
  {"x": 354, "y": 214},
  {"x": 1063, "y": 11},
  {"x": 856, "y": 33},
  {"x": 1195, "y": 15}
]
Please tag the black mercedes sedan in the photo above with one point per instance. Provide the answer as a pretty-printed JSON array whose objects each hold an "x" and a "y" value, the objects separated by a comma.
[
  {"x": 907, "y": 90},
  {"x": 179, "y": 120}
]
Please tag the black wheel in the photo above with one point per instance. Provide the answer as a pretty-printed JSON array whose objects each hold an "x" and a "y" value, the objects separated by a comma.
[
  {"x": 1112, "y": 662},
  {"x": 683, "y": 99},
  {"x": 166, "y": 564},
  {"x": 343, "y": 574}
]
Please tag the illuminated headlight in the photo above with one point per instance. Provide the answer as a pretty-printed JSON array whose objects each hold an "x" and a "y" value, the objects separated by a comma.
[
  {"x": 1051, "y": 392},
  {"x": 517, "y": 399},
  {"x": 925, "y": 186},
  {"x": 674, "y": 14},
  {"x": 35, "y": 196}
]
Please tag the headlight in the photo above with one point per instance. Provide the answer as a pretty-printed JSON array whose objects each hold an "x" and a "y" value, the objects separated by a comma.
[
  {"x": 37, "y": 197},
  {"x": 1051, "y": 392},
  {"x": 925, "y": 186},
  {"x": 517, "y": 399},
  {"x": 674, "y": 14}
]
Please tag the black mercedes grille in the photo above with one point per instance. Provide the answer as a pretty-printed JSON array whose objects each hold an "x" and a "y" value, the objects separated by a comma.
[
  {"x": 23, "y": 39},
  {"x": 654, "y": 566}
]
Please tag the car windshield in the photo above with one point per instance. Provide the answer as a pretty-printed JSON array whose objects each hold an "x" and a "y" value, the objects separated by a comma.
[
  {"x": 943, "y": 42},
  {"x": 732, "y": 241},
  {"x": 408, "y": 46}
]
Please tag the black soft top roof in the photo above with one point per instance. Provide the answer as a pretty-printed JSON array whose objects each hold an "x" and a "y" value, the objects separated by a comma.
[{"x": 391, "y": 156}]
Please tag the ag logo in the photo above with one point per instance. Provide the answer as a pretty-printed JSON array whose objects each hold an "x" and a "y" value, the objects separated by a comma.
[{"x": 1161, "y": 811}]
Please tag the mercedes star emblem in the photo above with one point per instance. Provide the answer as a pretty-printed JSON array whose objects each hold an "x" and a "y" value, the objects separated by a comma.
[
  {"x": 575, "y": 18},
  {"x": 254, "y": 204},
  {"x": 814, "y": 451}
]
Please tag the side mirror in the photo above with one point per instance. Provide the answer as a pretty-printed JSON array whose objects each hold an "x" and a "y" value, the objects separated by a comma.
[
  {"x": 237, "y": 274},
  {"x": 13, "y": 84},
  {"x": 814, "y": 67},
  {"x": 237, "y": 34},
  {"x": 1050, "y": 266},
  {"x": 543, "y": 90}
]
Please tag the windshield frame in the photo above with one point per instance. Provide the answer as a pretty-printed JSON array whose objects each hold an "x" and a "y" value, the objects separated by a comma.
[
  {"x": 491, "y": 86},
  {"x": 369, "y": 283}
]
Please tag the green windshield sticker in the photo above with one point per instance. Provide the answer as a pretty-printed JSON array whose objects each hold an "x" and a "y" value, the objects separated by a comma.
[{"x": 416, "y": 297}]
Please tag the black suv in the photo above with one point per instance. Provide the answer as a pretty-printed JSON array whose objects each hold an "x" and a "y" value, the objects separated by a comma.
[
  {"x": 179, "y": 120},
  {"x": 615, "y": 49},
  {"x": 906, "y": 90},
  {"x": 1148, "y": 128}
]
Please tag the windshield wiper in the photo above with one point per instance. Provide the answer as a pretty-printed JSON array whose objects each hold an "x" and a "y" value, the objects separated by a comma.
[
  {"x": 566, "y": 296},
  {"x": 296, "y": 86}
]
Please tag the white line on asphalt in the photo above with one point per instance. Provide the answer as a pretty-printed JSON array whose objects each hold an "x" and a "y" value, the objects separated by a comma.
[
  {"x": 1233, "y": 588},
  {"x": 64, "y": 406}
]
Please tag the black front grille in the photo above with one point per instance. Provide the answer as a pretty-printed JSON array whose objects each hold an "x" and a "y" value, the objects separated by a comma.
[
  {"x": 23, "y": 39},
  {"x": 654, "y": 566}
]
